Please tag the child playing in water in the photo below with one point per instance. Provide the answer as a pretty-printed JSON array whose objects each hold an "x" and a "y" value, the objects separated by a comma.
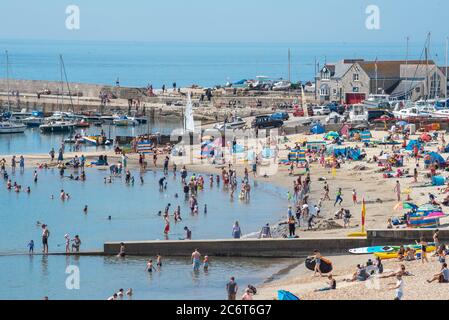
[
  {"x": 31, "y": 247},
  {"x": 206, "y": 263}
]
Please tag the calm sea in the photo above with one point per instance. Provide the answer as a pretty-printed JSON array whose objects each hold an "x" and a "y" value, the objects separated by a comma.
[{"x": 206, "y": 64}]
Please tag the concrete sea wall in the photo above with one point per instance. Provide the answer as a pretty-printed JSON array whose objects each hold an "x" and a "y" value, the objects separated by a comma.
[{"x": 275, "y": 248}]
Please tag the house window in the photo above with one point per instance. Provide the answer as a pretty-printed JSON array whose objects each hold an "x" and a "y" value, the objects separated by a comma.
[
  {"x": 334, "y": 91},
  {"x": 325, "y": 75},
  {"x": 324, "y": 90},
  {"x": 355, "y": 89},
  {"x": 355, "y": 77}
]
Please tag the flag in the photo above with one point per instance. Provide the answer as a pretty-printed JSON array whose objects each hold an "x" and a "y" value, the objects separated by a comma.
[{"x": 363, "y": 215}]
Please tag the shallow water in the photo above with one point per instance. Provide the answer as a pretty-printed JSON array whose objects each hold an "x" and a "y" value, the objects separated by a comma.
[
  {"x": 25, "y": 277},
  {"x": 33, "y": 142},
  {"x": 133, "y": 210}
]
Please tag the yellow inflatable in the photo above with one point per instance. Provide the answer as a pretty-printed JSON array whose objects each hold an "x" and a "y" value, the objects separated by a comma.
[{"x": 394, "y": 255}]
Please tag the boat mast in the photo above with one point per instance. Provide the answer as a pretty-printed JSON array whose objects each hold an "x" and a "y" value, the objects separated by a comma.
[
  {"x": 447, "y": 40},
  {"x": 67, "y": 81},
  {"x": 289, "y": 66},
  {"x": 406, "y": 65},
  {"x": 7, "y": 80}
]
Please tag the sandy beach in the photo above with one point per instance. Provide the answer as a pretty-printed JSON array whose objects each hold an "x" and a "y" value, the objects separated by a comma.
[{"x": 364, "y": 176}]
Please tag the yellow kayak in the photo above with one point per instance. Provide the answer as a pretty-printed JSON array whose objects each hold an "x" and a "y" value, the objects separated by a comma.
[{"x": 394, "y": 255}]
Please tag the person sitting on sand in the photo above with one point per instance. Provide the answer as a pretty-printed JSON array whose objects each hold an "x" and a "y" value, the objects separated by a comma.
[
  {"x": 402, "y": 272},
  {"x": 442, "y": 276},
  {"x": 331, "y": 285},
  {"x": 359, "y": 275},
  {"x": 401, "y": 253}
]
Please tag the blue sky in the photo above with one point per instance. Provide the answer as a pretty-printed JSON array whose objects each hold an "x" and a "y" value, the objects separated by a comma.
[{"x": 226, "y": 21}]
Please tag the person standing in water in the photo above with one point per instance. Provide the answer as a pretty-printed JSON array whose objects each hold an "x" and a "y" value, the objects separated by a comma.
[
  {"x": 236, "y": 231},
  {"x": 232, "y": 289},
  {"x": 45, "y": 236},
  {"x": 196, "y": 260},
  {"x": 150, "y": 268},
  {"x": 167, "y": 225},
  {"x": 31, "y": 247},
  {"x": 159, "y": 261}
]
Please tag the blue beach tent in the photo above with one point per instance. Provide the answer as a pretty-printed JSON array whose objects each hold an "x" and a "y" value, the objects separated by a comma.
[
  {"x": 412, "y": 144},
  {"x": 436, "y": 157},
  {"x": 438, "y": 181},
  {"x": 318, "y": 129},
  {"x": 287, "y": 296}
]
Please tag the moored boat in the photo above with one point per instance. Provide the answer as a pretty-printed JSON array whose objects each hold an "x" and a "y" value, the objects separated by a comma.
[{"x": 11, "y": 127}]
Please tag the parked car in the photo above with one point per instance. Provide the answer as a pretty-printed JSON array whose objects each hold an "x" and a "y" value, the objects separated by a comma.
[
  {"x": 321, "y": 110},
  {"x": 266, "y": 122},
  {"x": 299, "y": 112},
  {"x": 335, "y": 107},
  {"x": 280, "y": 116}
]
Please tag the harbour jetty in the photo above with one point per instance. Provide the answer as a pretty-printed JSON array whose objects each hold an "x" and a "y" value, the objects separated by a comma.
[
  {"x": 273, "y": 248},
  {"x": 50, "y": 96}
]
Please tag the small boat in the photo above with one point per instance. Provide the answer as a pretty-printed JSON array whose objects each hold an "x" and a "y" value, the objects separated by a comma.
[
  {"x": 237, "y": 123},
  {"x": 96, "y": 140},
  {"x": 125, "y": 121},
  {"x": 57, "y": 126},
  {"x": 11, "y": 127},
  {"x": 442, "y": 114},
  {"x": 33, "y": 121},
  {"x": 82, "y": 124},
  {"x": 411, "y": 113},
  {"x": 282, "y": 85}
]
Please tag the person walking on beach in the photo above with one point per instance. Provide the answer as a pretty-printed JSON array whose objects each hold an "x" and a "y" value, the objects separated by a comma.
[
  {"x": 317, "y": 258},
  {"x": 232, "y": 289},
  {"x": 196, "y": 260},
  {"x": 399, "y": 288},
  {"x": 326, "y": 192},
  {"x": 339, "y": 197},
  {"x": 354, "y": 197},
  {"x": 397, "y": 189},
  {"x": 45, "y": 236}
]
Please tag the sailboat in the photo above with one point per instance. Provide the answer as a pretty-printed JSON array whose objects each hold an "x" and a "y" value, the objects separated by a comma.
[
  {"x": 60, "y": 125},
  {"x": 9, "y": 126}
]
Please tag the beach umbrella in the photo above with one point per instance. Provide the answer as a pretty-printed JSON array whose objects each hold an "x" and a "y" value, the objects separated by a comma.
[
  {"x": 287, "y": 296},
  {"x": 331, "y": 135}
]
